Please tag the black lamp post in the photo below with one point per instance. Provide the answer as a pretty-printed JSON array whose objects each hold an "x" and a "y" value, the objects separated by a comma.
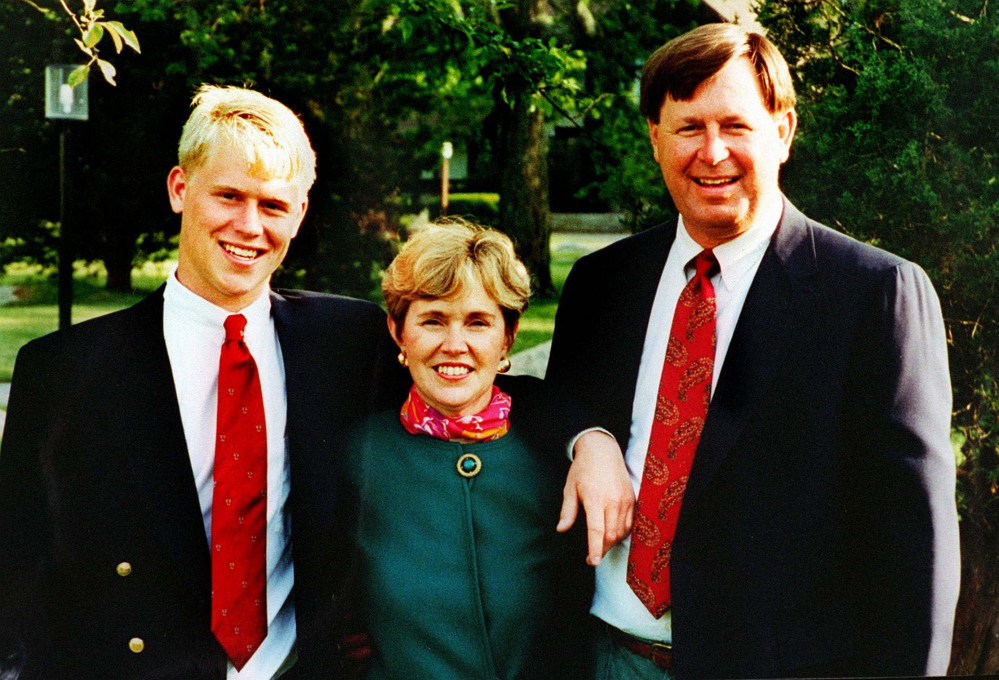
[{"x": 64, "y": 102}]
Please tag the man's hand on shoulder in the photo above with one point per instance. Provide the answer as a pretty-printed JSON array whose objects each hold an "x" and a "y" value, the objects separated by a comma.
[{"x": 599, "y": 480}]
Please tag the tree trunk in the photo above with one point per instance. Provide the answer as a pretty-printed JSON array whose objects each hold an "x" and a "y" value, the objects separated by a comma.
[
  {"x": 976, "y": 629},
  {"x": 119, "y": 274},
  {"x": 118, "y": 254},
  {"x": 524, "y": 213}
]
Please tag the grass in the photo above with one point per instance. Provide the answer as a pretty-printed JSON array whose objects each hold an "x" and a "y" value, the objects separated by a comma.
[
  {"x": 36, "y": 312},
  {"x": 538, "y": 322}
]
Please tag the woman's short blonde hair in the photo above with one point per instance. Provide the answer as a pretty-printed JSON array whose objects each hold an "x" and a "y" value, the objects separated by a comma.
[
  {"x": 268, "y": 134},
  {"x": 440, "y": 260}
]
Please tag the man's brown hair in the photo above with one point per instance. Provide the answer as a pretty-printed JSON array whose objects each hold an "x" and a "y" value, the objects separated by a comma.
[{"x": 679, "y": 67}]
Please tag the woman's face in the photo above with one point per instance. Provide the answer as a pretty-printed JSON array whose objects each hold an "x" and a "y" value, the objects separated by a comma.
[{"x": 454, "y": 347}]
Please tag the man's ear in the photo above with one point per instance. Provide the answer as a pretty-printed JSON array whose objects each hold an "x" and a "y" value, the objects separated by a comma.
[
  {"x": 176, "y": 186},
  {"x": 787, "y": 123},
  {"x": 301, "y": 216},
  {"x": 654, "y": 138}
]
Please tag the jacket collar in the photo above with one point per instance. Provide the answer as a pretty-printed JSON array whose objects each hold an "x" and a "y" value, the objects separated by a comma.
[{"x": 780, "y": 300}]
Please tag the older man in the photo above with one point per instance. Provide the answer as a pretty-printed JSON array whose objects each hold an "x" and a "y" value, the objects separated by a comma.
[{"x": 784, "y": 394}]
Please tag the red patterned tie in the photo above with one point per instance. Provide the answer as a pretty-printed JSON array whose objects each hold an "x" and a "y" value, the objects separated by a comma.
[
  {"x": 239, "y": 503},
  {"x": 681, "y": 407}
]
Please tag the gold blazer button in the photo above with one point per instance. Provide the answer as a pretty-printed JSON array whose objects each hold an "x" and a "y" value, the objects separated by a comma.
[
  {"x": 124, "y": 569},
  {"x": 136, "y": 644}
]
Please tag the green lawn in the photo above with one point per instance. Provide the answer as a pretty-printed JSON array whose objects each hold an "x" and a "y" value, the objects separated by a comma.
[
  {"x": 36, "y": 312},
  {"x": 538, "y": 323},
  {"x": 19, "y": 324}
]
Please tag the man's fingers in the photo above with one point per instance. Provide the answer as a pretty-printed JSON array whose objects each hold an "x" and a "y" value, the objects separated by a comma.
[
  {"x": 595, "y": 539},
  {"x": 599, "y": 479},
  {"x": 617, "y": 523},
  {"x": 570, "y": 508}
]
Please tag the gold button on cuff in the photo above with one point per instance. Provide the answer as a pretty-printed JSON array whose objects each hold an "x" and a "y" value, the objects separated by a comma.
[
  {"x": 136, "y": 644},
  {"x": 124, "y": 569}
]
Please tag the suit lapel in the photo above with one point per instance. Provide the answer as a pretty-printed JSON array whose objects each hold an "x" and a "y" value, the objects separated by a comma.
[
  {"x": 150, "y": 422},
  {"x": 642, "y": 268},
  {"x": 779, "y": 301},
  {"x": 309, "y": 422}
]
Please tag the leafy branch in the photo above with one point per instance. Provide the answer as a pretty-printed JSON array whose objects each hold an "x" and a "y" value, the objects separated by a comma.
[{"x": 92, "y": 27}]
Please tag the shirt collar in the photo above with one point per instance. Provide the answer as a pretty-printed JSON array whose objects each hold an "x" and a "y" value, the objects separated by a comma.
[
  {"x": 737, "y": 257},
  {"x": 199, "y": 311}
]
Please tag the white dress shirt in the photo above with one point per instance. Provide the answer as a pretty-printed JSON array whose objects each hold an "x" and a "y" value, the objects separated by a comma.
[
  {"x": 614, "y": 601},
  {"x": 192, "y": 328}
]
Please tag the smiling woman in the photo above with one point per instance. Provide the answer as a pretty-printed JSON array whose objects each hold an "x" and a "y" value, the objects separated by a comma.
[
  {"x": 454, "y": 296},
  {"x": 462, "y": 570}
]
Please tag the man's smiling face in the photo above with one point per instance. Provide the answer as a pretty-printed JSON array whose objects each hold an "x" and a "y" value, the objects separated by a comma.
[
  {"x": 721, "y": 152},
  {"x": 235, "y": 227}
]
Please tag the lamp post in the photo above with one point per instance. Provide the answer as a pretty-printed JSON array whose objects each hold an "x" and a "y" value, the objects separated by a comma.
[
  {"x": 64, "y": 102},
  {"x": 447, "y": 150}
]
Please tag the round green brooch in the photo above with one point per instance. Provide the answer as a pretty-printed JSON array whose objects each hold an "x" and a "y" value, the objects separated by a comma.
[{"x": 469, "y": 465}]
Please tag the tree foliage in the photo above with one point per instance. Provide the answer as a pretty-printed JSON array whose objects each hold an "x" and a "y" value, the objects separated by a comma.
[
  {"x": 380, "y": 85},
  {"x": 898, "y": 146},
  {"x": 92, "y": 27},
  {"x": 112, "y": 160}
]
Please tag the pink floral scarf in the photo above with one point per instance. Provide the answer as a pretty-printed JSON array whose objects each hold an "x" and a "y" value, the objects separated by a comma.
[{"x": 491, "y": 423}]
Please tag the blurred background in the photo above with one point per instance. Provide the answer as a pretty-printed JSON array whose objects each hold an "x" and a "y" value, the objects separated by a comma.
[{"x": 521, "y": 114}]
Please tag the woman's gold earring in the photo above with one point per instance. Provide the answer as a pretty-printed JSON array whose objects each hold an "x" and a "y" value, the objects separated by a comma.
[
  {"x": 403, "y": 360},
  {"x": 504, "y": 365}
]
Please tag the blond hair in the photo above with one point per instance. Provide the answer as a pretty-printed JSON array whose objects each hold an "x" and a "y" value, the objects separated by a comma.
[
  {"x": 444, "y": 258},
  {"x": 268, "y": 134},
  {"x": 679, "y": 67}
]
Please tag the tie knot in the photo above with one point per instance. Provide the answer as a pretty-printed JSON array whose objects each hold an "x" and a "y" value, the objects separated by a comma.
[
  {"x": 234, "y": 326},
  {"x": 705, "y": 264}
]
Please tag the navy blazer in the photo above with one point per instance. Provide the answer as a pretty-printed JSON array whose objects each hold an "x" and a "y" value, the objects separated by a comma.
[
  {"x": 818, "y": 532},
  {"x": 94, "y": 471}
]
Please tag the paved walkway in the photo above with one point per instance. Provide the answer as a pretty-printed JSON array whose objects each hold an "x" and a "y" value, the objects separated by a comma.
[
  {"x": 7, "y": 294},
  {"x": 533, "y": 361}
]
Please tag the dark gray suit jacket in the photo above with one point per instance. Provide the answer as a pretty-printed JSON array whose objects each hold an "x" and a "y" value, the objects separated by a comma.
[
  {"x": 818, "y": 533},
  {"x": 94, "y": 471}
]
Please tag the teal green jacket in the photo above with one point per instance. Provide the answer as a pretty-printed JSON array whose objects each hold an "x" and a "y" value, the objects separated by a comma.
[{"x": 466, "y": 577}]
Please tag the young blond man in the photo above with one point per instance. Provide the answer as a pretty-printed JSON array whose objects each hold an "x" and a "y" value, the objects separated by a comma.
[{"x": 114, "y": 531}]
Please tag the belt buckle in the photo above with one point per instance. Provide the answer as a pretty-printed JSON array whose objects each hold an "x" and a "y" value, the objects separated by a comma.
[{"x": 662, "y": 655}]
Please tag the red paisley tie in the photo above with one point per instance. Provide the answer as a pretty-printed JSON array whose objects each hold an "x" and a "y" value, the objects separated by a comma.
[
  {"x": 239, "y": 503},
  {"x": 681, "y": 407}
]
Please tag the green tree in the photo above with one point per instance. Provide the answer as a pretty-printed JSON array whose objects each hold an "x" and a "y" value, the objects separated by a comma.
[
  {"x": 92, "y": 27},
  {"x": 102, "y": 167},
  {"x": 527, "y": 70},
  {"x": 547, "y": 60},
  {"x": 898, "y": 146},
  {"x": 380, "y": 85},
  {"x": 625, "y": 175}
]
